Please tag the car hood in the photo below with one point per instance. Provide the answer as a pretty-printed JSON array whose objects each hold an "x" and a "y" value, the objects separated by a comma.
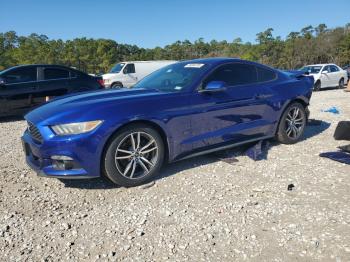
[
  {"x": 109, "y": 75},
  {"x": 77, "y": 106}
]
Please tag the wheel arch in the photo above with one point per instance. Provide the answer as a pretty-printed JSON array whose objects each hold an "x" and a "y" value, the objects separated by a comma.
[
  {"x": 117, "y": 82},
  {"x": 149, "y": 123},
  {"x": 299, "y": 100}
]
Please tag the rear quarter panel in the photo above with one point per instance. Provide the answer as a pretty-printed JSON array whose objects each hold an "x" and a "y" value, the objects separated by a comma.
[
  {"x": 291, "y": 89},
  {"x": 82, "y": 83}
]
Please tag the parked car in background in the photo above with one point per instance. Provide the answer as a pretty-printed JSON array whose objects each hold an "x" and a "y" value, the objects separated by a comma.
[
  {"x": 28, "y": 86},
  {"x": 326, "y": 75},
  {"x": 347, "y": 69},
  {"x": 126, "y": 74},
  {"x": 182, "y": 110}
]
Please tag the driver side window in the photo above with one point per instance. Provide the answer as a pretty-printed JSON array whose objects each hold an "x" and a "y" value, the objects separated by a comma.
[
  {"x": 234, "y": 74},
  {"x": 21, "y": 75},
  {"x": 129, "y": 69},
  {"x": 326, "y": 68}
]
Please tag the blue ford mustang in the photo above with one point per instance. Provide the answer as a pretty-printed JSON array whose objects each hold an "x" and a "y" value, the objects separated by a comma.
[{"x": 182, "y": 110}]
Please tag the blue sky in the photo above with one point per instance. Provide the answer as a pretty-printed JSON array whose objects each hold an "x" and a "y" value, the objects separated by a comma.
[{"x": 151, "y": 23}]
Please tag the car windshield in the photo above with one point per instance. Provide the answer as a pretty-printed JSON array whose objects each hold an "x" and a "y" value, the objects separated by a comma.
[
  {"x": 311, "y": 69},
  {"x": 117, "y": 68},
  {"x": 175, "y": 77}
]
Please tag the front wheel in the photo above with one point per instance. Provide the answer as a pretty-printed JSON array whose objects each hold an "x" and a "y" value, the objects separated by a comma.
[
  {"x": 134, "y": 156},
  {"x": 117, "y": 85},
  {"x": 292, "y": 124},
  {"x": 317, "y": 86},
  {"x": 341, "y": 83}
]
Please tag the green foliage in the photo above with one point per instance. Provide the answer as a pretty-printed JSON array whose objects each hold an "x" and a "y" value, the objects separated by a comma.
[{"x": 310, "y": 45}]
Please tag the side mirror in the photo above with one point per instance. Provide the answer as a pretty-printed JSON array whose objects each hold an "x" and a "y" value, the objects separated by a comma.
[
  {"x": 214, "y": 86},
  {"x": 125, "y": 71},
  {"x": 325, "y": 72}
]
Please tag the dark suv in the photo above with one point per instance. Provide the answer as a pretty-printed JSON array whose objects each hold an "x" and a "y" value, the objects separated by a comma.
[{"x": 28, "y": 86}]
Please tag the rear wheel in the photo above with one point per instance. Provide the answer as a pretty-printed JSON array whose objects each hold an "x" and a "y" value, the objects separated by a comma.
[
  {"x": 317, "y": 86},
  {"x": 292, "y": 124},
  {"x": 134, "y": 156},
  {"x": 341, "y": 83}
]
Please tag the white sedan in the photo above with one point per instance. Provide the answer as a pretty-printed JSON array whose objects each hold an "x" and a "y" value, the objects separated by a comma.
[{"x": 326, "y": 75}]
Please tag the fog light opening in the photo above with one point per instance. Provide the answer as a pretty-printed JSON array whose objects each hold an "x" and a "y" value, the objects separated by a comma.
[
  {"x": 62, "y": 162},
  {"x": 56, "y": 157}
]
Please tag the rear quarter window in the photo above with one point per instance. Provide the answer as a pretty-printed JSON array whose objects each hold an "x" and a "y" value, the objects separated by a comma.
[
  {"x": 266, "y": 75},
  {"x": 234, "y": 74},
  {"x": 73, "y": 74},
  {"x": 55, "y": 73},
  {"x": 334, "y": 68}
]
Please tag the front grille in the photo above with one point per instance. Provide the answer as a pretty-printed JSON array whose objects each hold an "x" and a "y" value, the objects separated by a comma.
[{"x": 34, "y": 132}]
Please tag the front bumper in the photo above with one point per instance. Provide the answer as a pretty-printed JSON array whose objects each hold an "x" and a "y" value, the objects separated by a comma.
[
  {"x": 107, "y": 85},
  {"x": 38, "y": 157}
]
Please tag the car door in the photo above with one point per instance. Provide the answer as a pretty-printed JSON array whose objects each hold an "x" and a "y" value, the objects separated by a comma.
[
  {"x": 53, "y": 81},
  {"x": 335, "y": 75},
  {"x": 325, "y": 76},
  {"x": 130, "y": 75},
  {"x": 17, "y": 90},
  {"x": 240, "y": 113}
]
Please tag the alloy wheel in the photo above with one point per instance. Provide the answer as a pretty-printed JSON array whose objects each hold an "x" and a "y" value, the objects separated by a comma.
[
  {"x": 136, "y": 155},
  {"x": 294, "y": 123}
]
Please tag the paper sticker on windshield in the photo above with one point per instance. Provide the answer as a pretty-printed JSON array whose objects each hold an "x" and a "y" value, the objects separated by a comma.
[{"x": 194, "y": 65}]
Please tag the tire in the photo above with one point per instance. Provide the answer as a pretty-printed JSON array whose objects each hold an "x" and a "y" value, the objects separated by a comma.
[
  {"x": 341, "y": 83},
  {"x": 286, "y": 133},
  {"x": 317, "y": 86},
  {"x": 125, "y": 164},
  {"x": 117, "y": 85}
]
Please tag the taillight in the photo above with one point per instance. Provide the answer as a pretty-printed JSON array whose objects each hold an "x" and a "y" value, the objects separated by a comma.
[{"x": 102, "y": 84}]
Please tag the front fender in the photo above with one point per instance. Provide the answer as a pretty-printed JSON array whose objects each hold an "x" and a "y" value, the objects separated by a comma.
[{"x": 159, "y": 125}]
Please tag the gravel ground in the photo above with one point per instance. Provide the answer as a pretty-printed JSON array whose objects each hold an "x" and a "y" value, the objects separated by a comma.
[{"x": 199, "y": 209}]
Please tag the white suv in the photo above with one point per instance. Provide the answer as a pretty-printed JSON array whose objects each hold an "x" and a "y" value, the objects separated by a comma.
[{"x": 326, "y": 75}]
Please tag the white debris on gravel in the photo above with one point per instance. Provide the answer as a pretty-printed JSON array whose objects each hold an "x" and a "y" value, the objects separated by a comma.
[{"x": 199, "y": 209}]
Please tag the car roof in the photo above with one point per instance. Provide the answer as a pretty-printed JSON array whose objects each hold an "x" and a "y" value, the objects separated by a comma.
[
  {"x": 212, "y": 60},
  {"x": 321, "y": 64},
  {"x": 150, "y": 61},
  {"x": 42, "y": 65}
]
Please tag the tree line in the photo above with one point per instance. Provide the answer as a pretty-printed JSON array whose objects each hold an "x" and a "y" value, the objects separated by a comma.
[{"x": 308, "y": 46}]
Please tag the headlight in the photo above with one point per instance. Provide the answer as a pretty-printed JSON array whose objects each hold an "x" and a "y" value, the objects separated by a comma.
[{"x": 75, "y": 128}]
